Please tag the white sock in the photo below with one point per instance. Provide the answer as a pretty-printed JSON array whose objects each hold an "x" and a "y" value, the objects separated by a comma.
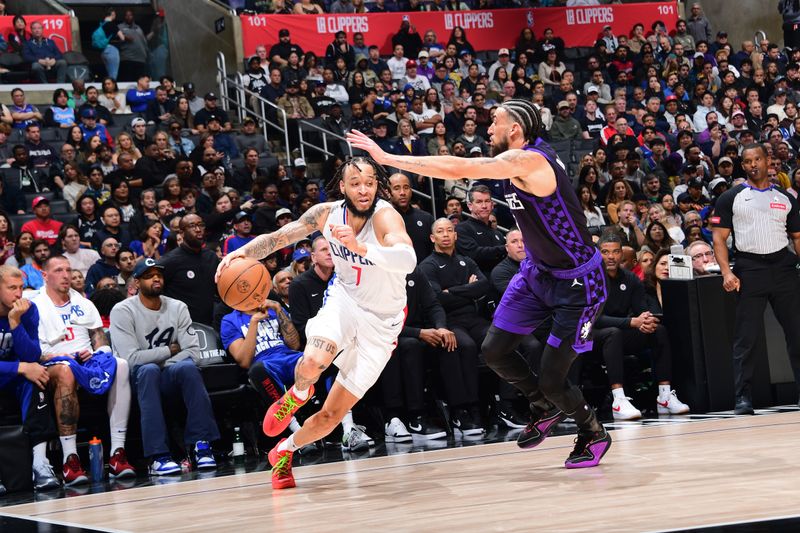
[
  {"x": 119, "y": 405},
  {"x": 347, "y": 422},
  {"x": 664, "y": 390},
  {"x": 618, "y": 393},
  {"x": 300, "y": 395},
  {"x": 294, "y": 425},
  {"x": 288, "y": 444},
  {"x": 40, "y": 454},
  {"x": 69, "y": 445}
]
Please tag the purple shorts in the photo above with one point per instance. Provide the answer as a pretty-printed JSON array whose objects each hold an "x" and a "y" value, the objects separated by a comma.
[{"x": 534, "y": 295}]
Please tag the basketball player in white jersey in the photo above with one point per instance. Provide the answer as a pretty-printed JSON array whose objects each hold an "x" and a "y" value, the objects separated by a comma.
[{"x": 364, "y": 305}]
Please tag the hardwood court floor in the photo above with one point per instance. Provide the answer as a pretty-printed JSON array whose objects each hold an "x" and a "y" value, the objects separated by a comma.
[{"x": 677, "y": 475}]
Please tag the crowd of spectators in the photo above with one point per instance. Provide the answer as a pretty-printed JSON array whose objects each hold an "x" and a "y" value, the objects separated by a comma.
[{"x": 650, "y": 124}]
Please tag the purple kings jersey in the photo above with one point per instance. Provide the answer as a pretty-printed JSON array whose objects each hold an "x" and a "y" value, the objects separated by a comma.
[{"x": 553, "y": 227}]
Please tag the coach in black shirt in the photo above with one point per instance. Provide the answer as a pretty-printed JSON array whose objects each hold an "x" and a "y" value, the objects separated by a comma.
[
  {"x": 627, "y": 326},
  {"x": 458, "y": 284},
  {"x": 418, "y": 222},
  {"x": 307, "y": 291},
  {"x": 476, "y": 239},
  {"x": 761, "y": 218},
  {"x": 424, "y": 334},
  {"x": 189, "y": 271}
]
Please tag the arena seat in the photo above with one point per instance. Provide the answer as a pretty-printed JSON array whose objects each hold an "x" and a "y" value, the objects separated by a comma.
[{"x": 221, "y": 376}]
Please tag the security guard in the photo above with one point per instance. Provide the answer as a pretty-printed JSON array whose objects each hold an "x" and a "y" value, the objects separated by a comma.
[{"x": 760, "y": 215}]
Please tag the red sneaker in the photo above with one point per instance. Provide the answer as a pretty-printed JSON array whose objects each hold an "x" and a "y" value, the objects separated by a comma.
[
  {"x": 281, "y": 412},
  {"x": 74, "y": 474},
  {"x": 281, "y": 462},
  {"x": 118, "y": 465}
]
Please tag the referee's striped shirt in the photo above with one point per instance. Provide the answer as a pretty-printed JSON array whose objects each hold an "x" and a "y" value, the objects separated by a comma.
[{"x": 759, "y": 219}]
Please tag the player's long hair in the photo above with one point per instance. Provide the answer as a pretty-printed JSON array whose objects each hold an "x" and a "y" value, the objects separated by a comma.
[
  {"x": 526, "y": 115},
  {"x": 332, "y": 187}
]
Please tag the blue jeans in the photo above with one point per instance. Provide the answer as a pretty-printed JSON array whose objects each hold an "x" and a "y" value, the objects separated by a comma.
[
  {"x": 152, "y": 383},
  {"x": 110, "y": 57}
]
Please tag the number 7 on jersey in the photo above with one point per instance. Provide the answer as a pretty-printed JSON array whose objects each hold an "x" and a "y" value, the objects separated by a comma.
[{"x": 358, "y": 274}]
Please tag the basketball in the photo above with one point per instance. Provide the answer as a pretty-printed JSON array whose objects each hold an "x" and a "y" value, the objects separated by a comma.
[{"x": 244, "y": 284}]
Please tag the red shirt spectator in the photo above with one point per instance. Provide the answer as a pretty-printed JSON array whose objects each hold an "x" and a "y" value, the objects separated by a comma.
[{"x": 42, "y": 227}]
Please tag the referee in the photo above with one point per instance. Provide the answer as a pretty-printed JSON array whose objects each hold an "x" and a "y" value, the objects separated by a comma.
[{"x": 760, "y": 215}]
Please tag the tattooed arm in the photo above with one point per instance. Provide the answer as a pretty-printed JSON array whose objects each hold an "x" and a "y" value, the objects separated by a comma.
[
  {"x": 529, "y": 170},
  {"x": 291, "y": 338},
  {"x": 265, "y": 244}
]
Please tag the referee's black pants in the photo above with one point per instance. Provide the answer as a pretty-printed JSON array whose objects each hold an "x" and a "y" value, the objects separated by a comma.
[{"x": 775, "y": 281}]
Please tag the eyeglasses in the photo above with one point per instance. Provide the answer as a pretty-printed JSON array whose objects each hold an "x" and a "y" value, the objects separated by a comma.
[
  {"x": 708, "y": 254},
  {"x": 112, "y": 245},
  {"x": 196, "y": 225}
]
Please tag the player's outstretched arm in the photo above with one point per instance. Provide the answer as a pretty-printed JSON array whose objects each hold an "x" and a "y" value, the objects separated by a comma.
[
  {"x": 511, "y": 163},
  {"x": 265, "y": 244},
  {"x": 396, "y": 251}
]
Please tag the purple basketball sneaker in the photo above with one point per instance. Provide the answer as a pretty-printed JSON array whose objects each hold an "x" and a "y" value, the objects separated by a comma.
[
  {"x": 590, "y": 447},
  {"x": 539, "y": 428}
]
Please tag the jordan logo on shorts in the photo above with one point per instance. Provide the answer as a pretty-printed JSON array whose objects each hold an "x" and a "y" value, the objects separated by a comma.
[{"x": 576, "y": 283}]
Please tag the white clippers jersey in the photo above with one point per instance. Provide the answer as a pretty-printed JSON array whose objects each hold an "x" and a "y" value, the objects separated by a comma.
[{"x": 371, "y": 287}]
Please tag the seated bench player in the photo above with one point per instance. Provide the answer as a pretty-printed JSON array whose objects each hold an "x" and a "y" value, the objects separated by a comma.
[{"x": 71, "y": 336}]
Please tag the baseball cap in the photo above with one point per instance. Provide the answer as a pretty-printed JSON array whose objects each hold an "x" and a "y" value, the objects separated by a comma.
[
  {"x": 698, "y": 54},
  {"x": 695, "y": 182},
  {"x": 737, "y": 113},
  {"x": 300, "y": 254},
  {"x": 722, "y": 34},
  {"x": 562, "y": 104},
  {"x": 411, "y": 64},
  {"x": 241, "y": 215},
  {"x": 144, "y": 265},
  {"x": 300, "y": 162},
  {"x": 475, "y": 150},
  {"x": 39, "y": 199},
  {"x": 423, "y": 53},
  {"x": 294, "y": 84},
  {"x": 282, "y": 211},
  {"x": 89, "y": 113},
  {"x": 688, "y": 169},
  {"x": 780, "y": 91},
  {"x": 283, "y": 32},
  {"x": 715, "y": 182},
  {"x": 722, "y": 161},
  {"x": 137, "y": 121},
  {"x": 671, "y": 98},
  {"x": 684, "y": 198},
  {"x": 188, "y": 86},
  {"x": 503, "y": 52},
  {"x": 464, "y": 52},
  {"x": 210, "y": 96},
  {"x": 592, "y": 89},
  {"x": 607, "y": 27}
]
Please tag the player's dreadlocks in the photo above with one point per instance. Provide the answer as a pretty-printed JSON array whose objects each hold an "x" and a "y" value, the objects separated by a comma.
[
  {"x": 332, "y": 187},
  {"x": 526, "y": 115}
]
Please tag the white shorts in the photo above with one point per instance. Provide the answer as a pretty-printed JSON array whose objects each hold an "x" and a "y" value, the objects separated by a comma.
[{"x": 365, "y": 341}]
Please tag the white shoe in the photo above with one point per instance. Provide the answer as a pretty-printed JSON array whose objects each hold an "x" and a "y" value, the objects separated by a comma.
[
  {"x": 356, "y": 439},
  {"x": 671, "y": 405},
  {"x": 623, "y": 409},
  {"x": 396, "y": 431}
]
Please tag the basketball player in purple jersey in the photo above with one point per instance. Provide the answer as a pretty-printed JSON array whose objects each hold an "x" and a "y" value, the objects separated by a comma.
[{"x": 561, "y": 276}]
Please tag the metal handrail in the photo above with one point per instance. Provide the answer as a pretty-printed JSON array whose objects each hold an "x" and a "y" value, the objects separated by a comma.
[
  {"x": 325, "y": 133},
  {"x": 240, "y": 104}
]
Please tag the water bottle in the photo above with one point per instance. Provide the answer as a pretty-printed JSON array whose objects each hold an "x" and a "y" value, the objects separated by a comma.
[
  {"x": 96, "y": 459},
  {"x": 238, "y": 444}
]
